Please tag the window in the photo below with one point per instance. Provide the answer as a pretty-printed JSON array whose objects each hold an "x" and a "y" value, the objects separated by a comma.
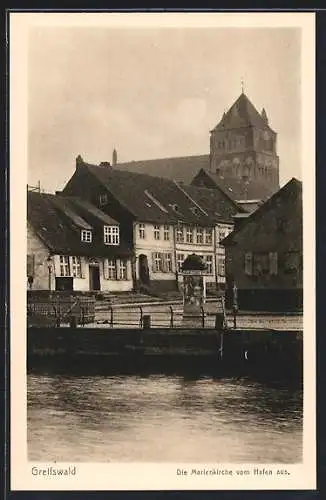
[
  {"x": 103, "y": 199},
  {"x": 166, "y": 233},
  {"x": 157, "y": 263},
  {"x": 112, "y": 270},
  {"x": 157, "y": 232},
  {"x": 260, "y": 264},
  {"x": 248, "y": 263},
  {"x": 167, "y": 262},
  {"x": 222, "y": 235},
  {"x": 64, "y": 265},
  {"x": 273, "y": 263},
  {"x": 141, "y": 231},
  {"x": 86, "y": 236},
  {"x": 200, "y": 237},
  {"x": 189, "y": 235},
  {"x": 208, "y": 236},
  {"x": 292, "y": 262},
  {"x": 180, "y": 260},
  {"x": 162, "y": 262},
  {"x": 180, "y": 234},
  {"x": 111, "y": 235},
  {"x": 76, "y": 267},
  {"x": 123, "y": 270},
  {"x": 208, "y": 259}
]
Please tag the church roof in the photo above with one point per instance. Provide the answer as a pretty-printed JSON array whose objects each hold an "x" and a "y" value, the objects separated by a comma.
[
  {"x": 242, "y": 114},
  {"x": 182, "y": 168},
  {"x": 235, "y": 187}
]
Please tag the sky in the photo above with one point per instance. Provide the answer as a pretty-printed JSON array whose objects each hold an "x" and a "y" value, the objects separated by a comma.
[{"x": 153, "y": 93}]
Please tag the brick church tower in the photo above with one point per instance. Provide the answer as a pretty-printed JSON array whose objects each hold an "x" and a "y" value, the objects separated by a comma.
[{"x": 243, "y": 146}]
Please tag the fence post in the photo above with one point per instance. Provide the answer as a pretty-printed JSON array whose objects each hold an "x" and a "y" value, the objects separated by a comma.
[
  {"x": 141, "y": 316},
  {"x": 234, "y": 317},
  {"x": 73, "y": 322},
  {"x": 221, "y": 345},
  {"x": 57, "y": 317},
  {"x": 202, "y": 317},
  {"x": 111, "y": 317},
  {"x": 171, "y": 317}
]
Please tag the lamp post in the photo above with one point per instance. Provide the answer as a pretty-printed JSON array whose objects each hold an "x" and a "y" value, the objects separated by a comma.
[{"x": 49, "y": 263}]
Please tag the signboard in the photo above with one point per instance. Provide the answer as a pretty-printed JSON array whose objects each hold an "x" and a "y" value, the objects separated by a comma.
[{"x": 194, "y": 273}]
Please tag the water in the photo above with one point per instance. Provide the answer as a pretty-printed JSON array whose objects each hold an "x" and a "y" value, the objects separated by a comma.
[{"x": 162, "y": 419}]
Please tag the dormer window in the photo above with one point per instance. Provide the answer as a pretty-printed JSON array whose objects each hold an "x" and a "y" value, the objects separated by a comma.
[
  {"x": 195, "y": 210},
  {"x": 174, "y": 207},
  {"x": 103, "y": 199},
  {"x": 111, "y": 235},
  {"x": 86, "y": 236}
]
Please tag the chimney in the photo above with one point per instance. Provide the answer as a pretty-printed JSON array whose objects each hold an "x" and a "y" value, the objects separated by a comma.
[
  {"x": 105, "y": 164},
  {"x": 264, "y": 116},
  {"x": 114, "y": 157},
  {"x": 79, "y": 161}
]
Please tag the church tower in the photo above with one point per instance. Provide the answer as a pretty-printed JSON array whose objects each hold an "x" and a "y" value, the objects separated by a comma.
[{"x": 243, "y": 146}]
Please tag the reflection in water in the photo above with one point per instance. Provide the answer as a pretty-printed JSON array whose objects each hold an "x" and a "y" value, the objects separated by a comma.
[{"x": 158, "y": 418}]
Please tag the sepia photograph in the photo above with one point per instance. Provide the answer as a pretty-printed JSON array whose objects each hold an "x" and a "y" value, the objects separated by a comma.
[{"x": 162, "y": 222}]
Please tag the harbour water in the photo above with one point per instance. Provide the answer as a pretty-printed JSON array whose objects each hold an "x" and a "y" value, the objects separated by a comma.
[{"x": 157, "y": 418}]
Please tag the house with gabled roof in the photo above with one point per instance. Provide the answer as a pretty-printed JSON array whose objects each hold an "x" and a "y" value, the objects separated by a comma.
[
  {"x": 72, "y": 245},
  {"x": 159, "y": 218},
  {"x": 264, "y": 254}
]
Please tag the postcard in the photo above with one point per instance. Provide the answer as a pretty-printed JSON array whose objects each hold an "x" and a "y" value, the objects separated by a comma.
[{"x": 162, "y": 246}]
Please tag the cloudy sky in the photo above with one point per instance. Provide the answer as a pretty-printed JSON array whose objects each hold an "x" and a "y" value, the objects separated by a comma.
[{"x": 153, "y": 93}]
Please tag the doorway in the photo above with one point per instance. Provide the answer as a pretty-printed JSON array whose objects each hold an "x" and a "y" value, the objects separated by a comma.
[
  {"x": 143, "y": 269},
  {"x": 94, "y": 277}
]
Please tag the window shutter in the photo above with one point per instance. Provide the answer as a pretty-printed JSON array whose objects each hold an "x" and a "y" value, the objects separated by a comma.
[
  {"x": 164, "y": 263},
  {"x": 248, "y": 263},
  {"x": 82, "y": 267},
  {"x": 273, "y": 268},
  {"x": 118, "y": 264},
  {"x": 153, "y": 262},
  {"x": 106, "y": 269}
]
